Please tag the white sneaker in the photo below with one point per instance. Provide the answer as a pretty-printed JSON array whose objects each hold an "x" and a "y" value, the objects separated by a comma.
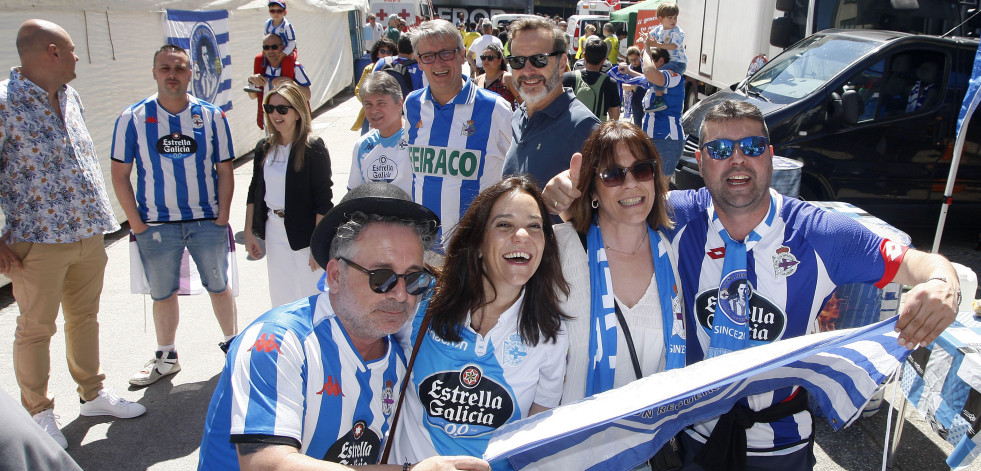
[
  {"x": 108, "y": 403},
  {"x": 158, "y": 367},
  {"x": 49, "y": 422}
]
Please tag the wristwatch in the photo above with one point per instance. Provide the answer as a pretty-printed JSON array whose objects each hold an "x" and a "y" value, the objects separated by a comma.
[{"x": 944, "y": 279}]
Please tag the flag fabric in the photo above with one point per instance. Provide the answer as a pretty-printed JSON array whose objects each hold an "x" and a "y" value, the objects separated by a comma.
[
  {"x": 972, "y": 96},
  {"x": 624, "y": 427},
  {"x": 204, "y": 34}
]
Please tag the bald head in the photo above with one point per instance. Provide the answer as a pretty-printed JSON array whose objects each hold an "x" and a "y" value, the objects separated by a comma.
[{"x": 35, "y": 36}]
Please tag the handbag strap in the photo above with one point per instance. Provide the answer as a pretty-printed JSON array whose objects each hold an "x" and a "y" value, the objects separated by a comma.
[{"x": 423, "y": 327}]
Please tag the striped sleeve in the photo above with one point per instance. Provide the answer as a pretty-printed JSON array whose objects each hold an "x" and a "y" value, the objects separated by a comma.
[
  {"x": 124, "y": 138},
  {"x": 222, "y": 136}
]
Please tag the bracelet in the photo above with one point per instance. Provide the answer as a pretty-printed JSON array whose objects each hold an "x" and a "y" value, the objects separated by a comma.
[{"x": 944, "y": 279}]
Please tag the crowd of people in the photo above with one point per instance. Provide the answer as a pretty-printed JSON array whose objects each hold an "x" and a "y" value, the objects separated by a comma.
[{"x": 444, "y": 296}]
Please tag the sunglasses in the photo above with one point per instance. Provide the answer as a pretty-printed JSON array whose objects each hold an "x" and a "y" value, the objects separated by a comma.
[
  {"x": 445, "y": 55},
  {"x": 281, "y": 109},
  {"x": 383, "y": 280},
  {"x": 721, "y": 149},
  {"x": 614, "y": 176},
  {"x": 386, "y": 51},
  {"x": 537, "y": 60},
  {"x": 266, "y": 47},
  {"x": 276, "y": 10},
  {"x": 489, "y": 58}
]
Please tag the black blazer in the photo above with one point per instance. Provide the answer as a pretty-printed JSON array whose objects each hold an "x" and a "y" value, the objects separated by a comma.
[{"x": 307, "y": 192}]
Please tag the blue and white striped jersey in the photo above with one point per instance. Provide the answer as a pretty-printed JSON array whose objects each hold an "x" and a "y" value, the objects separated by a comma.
[
  {"x": 461, "y": 392},
  {"x": 666, "y": 124},
  {"x": 293, "y": 378},
  {"x": 381, "y": 159},
  {"x": 285, "y": 32},
  {"x": 269, "y": 72},
  {"x": 804, "y": 253},
  {"x": 175, "y": 157},
  {"x": 457, "y": 149}
]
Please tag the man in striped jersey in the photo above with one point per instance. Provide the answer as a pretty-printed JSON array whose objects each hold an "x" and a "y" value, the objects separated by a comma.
[
  {"x": 312, "y": 385},
  {"x": 458, "y": 133},
  {"x": 183, "y": 153},
  {"x": 737, "y": 238}
]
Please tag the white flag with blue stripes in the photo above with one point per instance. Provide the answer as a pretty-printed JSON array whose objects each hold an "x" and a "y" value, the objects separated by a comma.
[
  {"x": 204, "y": 34},
  {"x": 624, "y": 427}
]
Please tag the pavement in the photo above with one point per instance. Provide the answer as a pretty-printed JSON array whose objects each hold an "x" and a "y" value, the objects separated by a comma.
[{"x": 168, "y": 436}]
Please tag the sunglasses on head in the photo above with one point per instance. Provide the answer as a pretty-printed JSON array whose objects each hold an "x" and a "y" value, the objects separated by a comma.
[
  {"x": 614, "y": 176},
  {"x": 266, "y": 47},
  {"x": 281, "y": 109},
  {"x": 537, "y": 60},
  {"x": 721, "y": 149},
  {"x": 488, "y": 57},
  {"x": 383, "y": 280},
  {"x": 445, "y": 55}
]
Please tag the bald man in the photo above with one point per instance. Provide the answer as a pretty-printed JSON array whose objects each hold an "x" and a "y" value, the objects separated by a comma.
[{"x": 57, "y": 210}]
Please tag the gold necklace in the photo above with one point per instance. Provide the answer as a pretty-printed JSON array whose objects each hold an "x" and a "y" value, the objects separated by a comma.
[{"x": 629, "y": 253}]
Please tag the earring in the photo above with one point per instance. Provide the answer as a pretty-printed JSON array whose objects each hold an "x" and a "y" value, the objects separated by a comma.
[{"x": 595, "y": 203}]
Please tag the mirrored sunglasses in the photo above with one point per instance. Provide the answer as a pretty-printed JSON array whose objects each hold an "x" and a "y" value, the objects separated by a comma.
[
  {"x": 281, "y": 109},
  {"x": 643, "y": 171},
  {"x": 383, "y": 280},
  {"x": 537, "y": 60},
  {"x": 721, "y": 149},
  {"x": 445, "y": 55}
]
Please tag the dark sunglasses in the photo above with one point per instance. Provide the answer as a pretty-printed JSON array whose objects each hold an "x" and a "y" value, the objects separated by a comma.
[
  {"x": 537, "y": 60},
  {"x": 489, "y": 58},
  {"x": 281, "y": 109},
  {"x": 721, "y": 149},
  {"x": 276, "y": 10},
  {"x": 386, "y": 51},
  {"x": 614, "y": 176},
  {"x": 266, "y": 47},
  {"x": 383, "y": 280},
  {"x": 445, "y": 55}
]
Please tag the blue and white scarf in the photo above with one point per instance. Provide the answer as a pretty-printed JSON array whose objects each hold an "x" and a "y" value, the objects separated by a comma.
[
  {"x": 603, "y": 320},
  {"x": 730, "y": 325}
]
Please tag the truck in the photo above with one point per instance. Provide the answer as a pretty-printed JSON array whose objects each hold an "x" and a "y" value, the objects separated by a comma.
[
  {"x": 728, "y": 40},
  {"x": 872, "y": 117}
]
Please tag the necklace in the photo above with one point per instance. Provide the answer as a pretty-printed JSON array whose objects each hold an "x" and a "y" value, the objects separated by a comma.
[{"x": 639, "y": 244}]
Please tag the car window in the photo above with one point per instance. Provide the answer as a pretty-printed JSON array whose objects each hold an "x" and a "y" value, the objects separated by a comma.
[{"x": 908, "y": 81}]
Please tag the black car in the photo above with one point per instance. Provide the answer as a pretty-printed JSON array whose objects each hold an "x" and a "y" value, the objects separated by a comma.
[{"x": 872, "y": 116}]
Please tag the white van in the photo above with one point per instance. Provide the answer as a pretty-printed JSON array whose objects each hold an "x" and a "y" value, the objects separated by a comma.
[
  {"x": 577, "y": 27},
  {"x": 593, "y": 7}
]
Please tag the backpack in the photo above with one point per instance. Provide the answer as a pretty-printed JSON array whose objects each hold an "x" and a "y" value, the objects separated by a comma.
[
  {"x": 591, "y": 95},
  {"x": 401, "y": 72}
]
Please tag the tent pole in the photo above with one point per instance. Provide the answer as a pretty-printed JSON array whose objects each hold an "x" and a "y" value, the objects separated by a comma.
[{"x": 955, "y": 162}]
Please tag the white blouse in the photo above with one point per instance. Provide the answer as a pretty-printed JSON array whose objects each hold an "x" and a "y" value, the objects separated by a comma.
[{"x": 274, "y": 174}]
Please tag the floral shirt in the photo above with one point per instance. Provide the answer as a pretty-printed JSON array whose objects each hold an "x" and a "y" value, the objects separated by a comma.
[{"x": 51, "y": 184}]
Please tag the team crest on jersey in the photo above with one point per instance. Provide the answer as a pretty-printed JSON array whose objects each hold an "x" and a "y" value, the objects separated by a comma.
[
  {"x": 197, "y": 121},
  {"x": 468, "y": 128},
  {"x": 465, "y": 403},
  {"x": 766, "y": 322},
  {"x": 176, "y": 146},
  {"x": 382, "y": 169},
  {"x": 358, "y": 447},
  {"x": 514, "y": 350},
  {"x": 206, "y": 62},
  {"x": 784, "y": 262},
  {"x": 388, "y": 399}
]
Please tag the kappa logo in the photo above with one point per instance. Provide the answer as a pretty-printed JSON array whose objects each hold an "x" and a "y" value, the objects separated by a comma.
[
  {"x": 331, "y": 388},
  {"x": 468, "y": 128},
  {"x": 716, "y": 253},
  {"x": 151, "y": 120},
  {"x": 784, "y": 262},
  {"x": 266, "y": 343}
]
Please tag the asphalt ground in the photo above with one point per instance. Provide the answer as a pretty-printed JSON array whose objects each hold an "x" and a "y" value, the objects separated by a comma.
[{"x": 167, "y": 437}]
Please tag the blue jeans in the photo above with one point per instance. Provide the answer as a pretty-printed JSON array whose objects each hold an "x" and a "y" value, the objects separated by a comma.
[
  {"x": 162, "y": 246},
  {"x": 670, "y": 152}
]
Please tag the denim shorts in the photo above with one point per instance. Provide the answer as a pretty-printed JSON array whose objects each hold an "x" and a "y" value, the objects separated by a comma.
[
  {"x": 162, "y": 246},
  {"x": 670, "y": 151}
]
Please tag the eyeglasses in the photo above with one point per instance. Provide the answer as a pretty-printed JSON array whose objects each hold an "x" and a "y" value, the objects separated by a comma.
[
  {"x": 281, "y": 109},
  {"x": 383, "y": 280},
  {"x": 445, "y": 55},
  {"x": 721, "y": 149},
  {"x": 537, "y": 60},
  {"x": 489, "y": 57},
  {"x": 643, "y": 171},
  {"x": 386, "y": 51},
  {"x": 266, "y": 47},
  {"x": 276, "y": 10}
]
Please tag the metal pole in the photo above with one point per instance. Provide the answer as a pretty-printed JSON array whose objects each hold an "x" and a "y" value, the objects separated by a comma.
[{"x": 955, "y": 162}]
